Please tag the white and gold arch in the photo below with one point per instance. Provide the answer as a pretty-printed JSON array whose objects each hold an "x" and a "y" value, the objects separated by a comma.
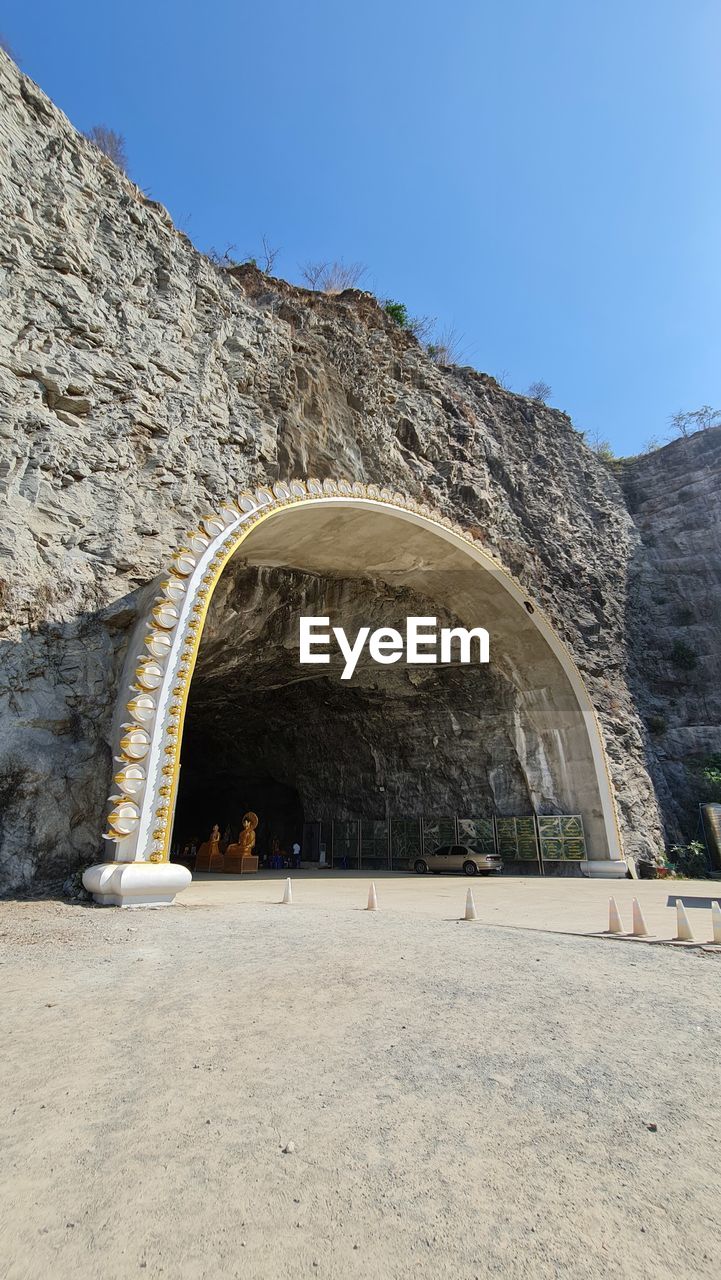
[{"x": 149, "y": 722}]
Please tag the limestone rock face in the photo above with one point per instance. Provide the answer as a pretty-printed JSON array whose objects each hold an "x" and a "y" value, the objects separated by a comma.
[
  {"x": 140, "y": 386},
  {"x": 674, "y": 622}
]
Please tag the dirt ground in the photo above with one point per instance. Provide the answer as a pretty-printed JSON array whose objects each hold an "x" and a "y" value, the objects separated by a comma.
[{"x": 247, "y": 1090}]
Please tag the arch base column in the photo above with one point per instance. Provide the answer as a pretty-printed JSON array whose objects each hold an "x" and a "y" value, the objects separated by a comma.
[
  {"x": 136, "y": 884},
  {"x": 604, "y": 868}
]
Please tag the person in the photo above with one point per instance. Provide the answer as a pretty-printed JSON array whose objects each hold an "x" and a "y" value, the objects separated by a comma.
[{"x": 296, "y": 855}]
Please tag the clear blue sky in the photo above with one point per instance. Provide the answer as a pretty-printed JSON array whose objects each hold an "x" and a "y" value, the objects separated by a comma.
[{"x": 544, "y": 176}]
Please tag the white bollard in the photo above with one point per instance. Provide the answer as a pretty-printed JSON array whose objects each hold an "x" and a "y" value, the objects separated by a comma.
[
  {"x": 683, "y": 928},
  {"x": 639, "y": 924},
  {"x": 372, "y": 899},
  {"x": 470, "y": 907},
  {"x": 287, "y": 899},
  {"x": 614, "y": 919},
  {"x": 716, "y": 922}
]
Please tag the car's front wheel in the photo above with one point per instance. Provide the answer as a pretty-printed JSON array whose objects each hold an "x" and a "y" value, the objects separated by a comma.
[
  {"x": 420, "y": 867},
  {"x": 469, "y": 868}
]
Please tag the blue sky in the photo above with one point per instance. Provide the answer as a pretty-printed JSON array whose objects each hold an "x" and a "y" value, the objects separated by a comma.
[{"x": 543, "y": 176}]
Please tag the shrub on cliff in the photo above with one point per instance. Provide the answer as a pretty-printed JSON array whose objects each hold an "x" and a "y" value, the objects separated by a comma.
[
  {"x": 689, "y": 860},
  {"x": 419, "y": 326},
  {"x": 683, "y": 656},
  {"x": 111, "y": 144},
  {"x": 333, "y": 277},
  {"x": 711, "y": 774}
]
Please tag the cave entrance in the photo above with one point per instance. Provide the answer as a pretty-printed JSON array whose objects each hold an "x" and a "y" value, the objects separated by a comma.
[
  {"x": 258, "y": 720},
  {"x": 342, "y": 769}
]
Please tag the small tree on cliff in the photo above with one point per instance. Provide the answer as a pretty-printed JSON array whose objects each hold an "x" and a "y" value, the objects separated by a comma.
[
  {"x": 703, "y": 419},
  {"x": 111, "y": 144},
  {"x": 267, "y": 256},
  {"x": 600, "y": 446},
  {"x": 540, "y": 391}
]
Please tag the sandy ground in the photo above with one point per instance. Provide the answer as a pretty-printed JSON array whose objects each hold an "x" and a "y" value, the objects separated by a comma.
[
  {"x": 560, "y": 904},
  {"x": 463, "y": 1100}
]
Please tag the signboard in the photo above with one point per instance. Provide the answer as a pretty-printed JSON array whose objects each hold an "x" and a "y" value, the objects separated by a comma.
[
  {"x": 379, "y": 843},
  {"x": 346, "y": 837},
  {"x": 477, "y": 834},
  {"x": 374, "y": 850},
  {"x": 405, "y": 842},
  {"x": 437, "y": 832},
  {"x": 517, "y": 840},
  {"x": 562, "y": 838}
]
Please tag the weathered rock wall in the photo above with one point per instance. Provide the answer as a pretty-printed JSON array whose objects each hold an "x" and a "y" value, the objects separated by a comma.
[
  {"x": 674, "y": 622},
  {"x": 140, "y": 385},
  {"x": 388, "y": 743}
]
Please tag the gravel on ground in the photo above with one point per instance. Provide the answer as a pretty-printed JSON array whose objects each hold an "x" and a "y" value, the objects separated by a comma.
[{"x": 269, "y": 1092}]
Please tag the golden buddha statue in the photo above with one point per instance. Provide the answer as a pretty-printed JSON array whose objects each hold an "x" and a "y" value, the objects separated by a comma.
[
  {"x": 239, "y": 857},
  {"x": 246, "y": 839},
  {"x": 209, "y": 856}
]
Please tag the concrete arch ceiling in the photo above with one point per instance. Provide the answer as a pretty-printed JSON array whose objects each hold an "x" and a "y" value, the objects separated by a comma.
[{"x": 329, "y": 528}]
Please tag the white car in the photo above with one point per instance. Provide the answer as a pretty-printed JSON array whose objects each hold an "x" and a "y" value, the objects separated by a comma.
[{"x": 458, "y": 857}]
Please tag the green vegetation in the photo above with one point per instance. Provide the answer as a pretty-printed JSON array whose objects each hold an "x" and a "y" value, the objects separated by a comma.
[
  {"x": 711, "y": 774},
  {"x": 689, "y": 860},
  {"x": 397, "y": 311},
  {"x": 419, "y": 326},
  {"x": 683, "y": 656},
  {"x": 604, "y": 451},
  {"x": 443, "y": 348},
  {"x": 656, "y": 725}
]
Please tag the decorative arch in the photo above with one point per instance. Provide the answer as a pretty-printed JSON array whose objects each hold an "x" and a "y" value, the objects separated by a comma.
[{"x": 148, "y": 725}]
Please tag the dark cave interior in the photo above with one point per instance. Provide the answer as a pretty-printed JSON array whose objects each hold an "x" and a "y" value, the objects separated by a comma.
[{"x": 294, "y": 743}]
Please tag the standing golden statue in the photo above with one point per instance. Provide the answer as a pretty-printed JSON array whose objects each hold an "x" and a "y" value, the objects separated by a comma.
[{"x": 239, "y": 857}]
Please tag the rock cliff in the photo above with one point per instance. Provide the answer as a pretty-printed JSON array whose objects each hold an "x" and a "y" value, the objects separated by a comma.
[
  {"x": 141, "y": 385},
  {"x": 674, "y": 615}
]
